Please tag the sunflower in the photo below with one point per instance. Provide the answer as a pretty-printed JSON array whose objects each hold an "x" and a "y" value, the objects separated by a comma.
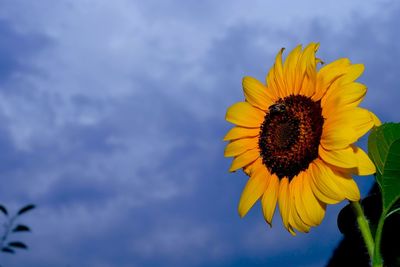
[{"x": 294, "y": 137}]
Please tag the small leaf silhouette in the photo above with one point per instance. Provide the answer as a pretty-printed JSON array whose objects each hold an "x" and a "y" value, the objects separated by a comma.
[
  {"x": 8, "y": 250},
  {"x": 26, "y": 209},
  {"x": 17, "y": 244},
  {"x": 3, "y": 209},
  {"x": 21, "y": 228}
]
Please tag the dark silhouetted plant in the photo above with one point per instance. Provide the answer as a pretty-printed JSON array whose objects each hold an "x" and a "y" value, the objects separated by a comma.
[{"x": 12, "y": 226}]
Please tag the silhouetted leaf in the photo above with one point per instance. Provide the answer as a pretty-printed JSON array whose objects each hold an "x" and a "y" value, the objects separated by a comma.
[
  {"x": 3, "y": 209},
  {"x": 8, "y": 250},
  {"x": 346, "y": 220},
  {"x": 17, "y": 244},
  {"x": 26, "y": 209},
  {"x": 21, "y": 228},
  {"x": 384, "y": 150}
]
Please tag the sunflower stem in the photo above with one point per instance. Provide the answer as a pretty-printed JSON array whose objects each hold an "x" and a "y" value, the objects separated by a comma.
[
  {"x": 377, "y": 260},
  {"x": 364, "y": 228}
]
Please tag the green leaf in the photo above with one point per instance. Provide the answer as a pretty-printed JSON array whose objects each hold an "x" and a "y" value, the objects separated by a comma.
[
  {"x": 26, "y": 209},
  {"x": 384, "y": 150}
]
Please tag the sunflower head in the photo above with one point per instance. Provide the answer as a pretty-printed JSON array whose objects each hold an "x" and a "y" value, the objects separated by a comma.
[{"x": 294, "y": 136}]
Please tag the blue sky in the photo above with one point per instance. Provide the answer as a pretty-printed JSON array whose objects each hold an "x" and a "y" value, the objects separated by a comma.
[{"x": 112, "y": 119}]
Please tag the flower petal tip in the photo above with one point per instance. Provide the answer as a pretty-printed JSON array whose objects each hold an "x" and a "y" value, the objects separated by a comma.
[
  {"x": 377, "y": 121},
  {"x": 291, "y": 231},
  {"x": 241, "y": 212}
]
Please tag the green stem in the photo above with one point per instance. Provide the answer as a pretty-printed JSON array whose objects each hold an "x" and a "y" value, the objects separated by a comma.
[
  {"x": 377, "y": 260},
  {"x": 364, "y": 227}
]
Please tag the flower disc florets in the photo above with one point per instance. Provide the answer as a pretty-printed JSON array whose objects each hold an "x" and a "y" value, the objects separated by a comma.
[{"x": 290, "y": 135}]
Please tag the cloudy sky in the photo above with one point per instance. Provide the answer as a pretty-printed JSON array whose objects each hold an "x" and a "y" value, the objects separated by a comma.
[{"x": 112, "y": 119}]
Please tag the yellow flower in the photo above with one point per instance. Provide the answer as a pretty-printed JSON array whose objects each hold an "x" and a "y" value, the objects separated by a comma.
[{"x": 295, "y": 137}]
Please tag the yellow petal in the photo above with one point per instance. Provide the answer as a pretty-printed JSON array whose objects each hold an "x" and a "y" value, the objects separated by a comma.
[
  {"x": 350, "y": 74},
  {"x": 284, "y": 201},
  {"x": 345, "y": 127},
  {"x": 256, "y": 93},
  {"x": 347, "y": 95},
  {"x": 308, "y": 86},
  {"x": 295, "y": 219},
  {"x": 239, "y": 146},
  {"x": 319, "y": 189},
  {"x": 362, "y": 121},
  {"x": 298, "y": 194},
  {"x": 353, "y": 72},
  {"x": 275, "y": 78},
  {"x": 337, "y": 135},
  {"x": 322, "y": 177},
  {"x": 295, "y": 222},
  {"x": 347, "y": 186},
  {"x": 254, "y": 189},
  {"x": 244, "y": 159},
  {"x": 248, "y": 169},
  {"x": 241, "y": 132},
  {"x": 244, "y": 114},
  {"x": 278, "y": 69},
  {"x": 343, "y": 158},
  {"x": 365, "y": 165},
  {"x": 377, "y": 121},
  {"x": 327, "y": 75},
  {"x": 291, "y": 231},
  {"x": 290, "y": 71},
  {"x": 311, "y": 210},
  {"x": 269, "y": 199},
  {"x": 307, "y": 70}
]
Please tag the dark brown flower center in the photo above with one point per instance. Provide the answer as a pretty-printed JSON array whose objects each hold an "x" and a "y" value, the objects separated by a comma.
[{"x": 290, "y": 135}]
